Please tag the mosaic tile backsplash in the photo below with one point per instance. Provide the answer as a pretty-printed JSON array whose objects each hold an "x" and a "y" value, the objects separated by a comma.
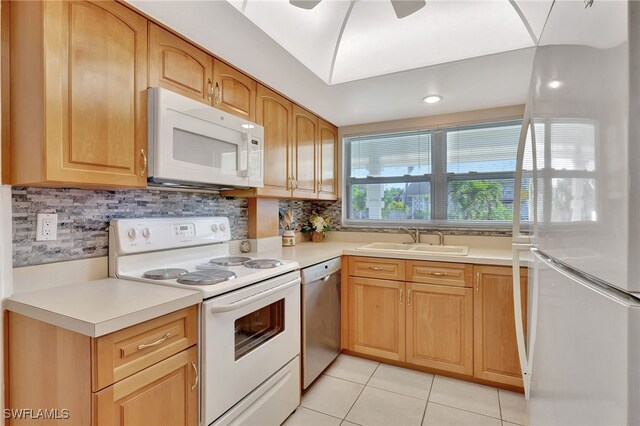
[
  {"x": 303, "y": 209},
  {"x": 84, "y": 215}
]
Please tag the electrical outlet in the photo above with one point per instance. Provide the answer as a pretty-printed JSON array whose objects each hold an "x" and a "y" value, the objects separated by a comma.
[{"x": 47, "y": 227}]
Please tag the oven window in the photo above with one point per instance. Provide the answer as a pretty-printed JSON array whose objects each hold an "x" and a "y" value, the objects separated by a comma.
[{"x": 258, "y": 327}]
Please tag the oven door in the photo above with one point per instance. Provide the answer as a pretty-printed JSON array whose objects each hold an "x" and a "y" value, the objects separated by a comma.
[
  {"x": 247, "y": 336},
  {"x": 193, "y": 142}
]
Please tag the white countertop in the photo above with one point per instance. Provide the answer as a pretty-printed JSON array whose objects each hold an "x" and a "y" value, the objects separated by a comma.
[
  {"x": 100, "y": 307},
  {"x": 309, "y": 253}
]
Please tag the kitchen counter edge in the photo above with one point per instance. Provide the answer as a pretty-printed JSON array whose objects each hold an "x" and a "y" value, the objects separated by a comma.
[{"x": 100, "y": 307}]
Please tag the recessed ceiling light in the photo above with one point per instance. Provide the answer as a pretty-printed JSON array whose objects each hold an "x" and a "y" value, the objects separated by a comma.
[
  {"x": 432, "y": 99},
  {"x": 248, "y": 126},
  {"x": 554, "y": 84}
]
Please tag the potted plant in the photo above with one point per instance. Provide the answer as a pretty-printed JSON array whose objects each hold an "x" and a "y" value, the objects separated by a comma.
[{"x": 317, "y": 226}]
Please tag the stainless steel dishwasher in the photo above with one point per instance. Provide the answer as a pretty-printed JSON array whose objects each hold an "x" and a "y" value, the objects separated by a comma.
[{"x": 320, "y": 318}]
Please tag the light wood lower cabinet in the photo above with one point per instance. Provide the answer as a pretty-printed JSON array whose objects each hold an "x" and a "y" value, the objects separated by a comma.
[
  {"x": 440, "y": 327},
  {"x": 457, "y": 318},
  {"x": 163, "y": 394},
  {"x": 144, "y": 374},
  {"x": 496, "y": 350},
  {"x": 376, "y": 317}
]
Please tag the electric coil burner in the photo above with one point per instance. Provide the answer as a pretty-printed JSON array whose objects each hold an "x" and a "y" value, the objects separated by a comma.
[
  {"x": 230, "y": 261},
  {"x": 263, "y": 263},
  {"x": 206, "y": 277},
  {"x": 164, "y": 273}
]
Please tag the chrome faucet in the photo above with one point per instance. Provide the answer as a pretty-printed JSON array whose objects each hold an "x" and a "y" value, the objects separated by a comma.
[
  {"x": 415, "y": 234},
  {"x": 440, "y": 237}
]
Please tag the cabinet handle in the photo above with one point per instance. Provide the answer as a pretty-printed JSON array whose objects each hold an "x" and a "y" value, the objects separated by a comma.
[
  {"x": 209, "y": 90},
  {"x": 156, "y": 343},
  {"x": 217, "y": 94},
  {"x": 319, "y": 186},
  {"x": 409, "y": 297},
  {"x": 439, "y": 274},
  {"x": 295, "y": 183},
  {"x": 144, "y": 162},
  {"x": 376, "y": 268},
  {"x": 195, "y": 370},
  {"x": 401, "y": 296},
  {"x": 477, "y": 281}
]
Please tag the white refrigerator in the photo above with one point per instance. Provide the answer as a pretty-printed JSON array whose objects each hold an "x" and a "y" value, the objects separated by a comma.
[{"x": 577, "y": 217}]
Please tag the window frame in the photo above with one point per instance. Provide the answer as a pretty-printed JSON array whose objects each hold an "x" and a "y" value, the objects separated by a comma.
[{"x": 438, "y": 180}]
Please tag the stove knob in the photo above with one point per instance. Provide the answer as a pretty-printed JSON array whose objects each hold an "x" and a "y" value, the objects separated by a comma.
[
  {"x": 223, "y": 227},
  {"x": 133, "y": 234},
  {"x": 214, "y": 227},
  {"x": 146, "y": 232}
]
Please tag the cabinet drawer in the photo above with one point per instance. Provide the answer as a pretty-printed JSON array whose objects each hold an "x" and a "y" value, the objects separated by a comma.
[
  {"x": 125, "y": 352},
  {"x": 375, "y": 267},
  {"x": 457, "y": 274}
]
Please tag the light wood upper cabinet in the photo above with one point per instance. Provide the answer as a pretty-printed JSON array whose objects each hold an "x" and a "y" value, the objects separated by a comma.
[
  {"x": 327, "y": 161},
  {"x": 303, "y": 165},
  {"x": 496, "y": 350},
  {"x": 163, "y": 394},
  {"x": 78, "y": 94},
  {"x": 274, "y": 112},
  {"x": 234, "y": 92},
  {"x": 177, "y": 65},
  {"x": 376, "y": 318},
  {"x": 440, "y": 327}
]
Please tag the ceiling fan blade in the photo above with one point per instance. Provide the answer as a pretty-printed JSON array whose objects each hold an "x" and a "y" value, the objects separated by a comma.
[
  {"x": 404, "y": 8},
  {"x": 305, "y": 4}
]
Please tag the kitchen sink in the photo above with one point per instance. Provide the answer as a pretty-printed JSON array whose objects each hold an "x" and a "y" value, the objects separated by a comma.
[{"x": 417, "y": 248}]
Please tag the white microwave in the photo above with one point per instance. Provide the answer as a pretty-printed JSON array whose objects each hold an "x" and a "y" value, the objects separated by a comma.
[{"x": 195, "y": 145}]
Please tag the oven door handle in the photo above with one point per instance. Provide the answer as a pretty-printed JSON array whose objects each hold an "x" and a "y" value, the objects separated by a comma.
[{"x": 247, "y": 301}]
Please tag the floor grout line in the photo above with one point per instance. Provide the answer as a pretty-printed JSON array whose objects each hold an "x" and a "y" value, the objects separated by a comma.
[
  {"x": 398, "y": 393},
  {"x": 424, "y": 413},
  {"x": 360, "y": 394},
  {"x": 499, "y": 406},
  {"x": 468, "y": 411},
  {"x": 320, "y": 412}
]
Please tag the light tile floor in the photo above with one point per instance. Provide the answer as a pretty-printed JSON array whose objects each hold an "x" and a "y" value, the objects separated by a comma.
[{"x": 355, "y": 391}]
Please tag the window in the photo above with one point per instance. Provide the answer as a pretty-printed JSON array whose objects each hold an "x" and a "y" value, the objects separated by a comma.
[{"x": 459, "y": 175}]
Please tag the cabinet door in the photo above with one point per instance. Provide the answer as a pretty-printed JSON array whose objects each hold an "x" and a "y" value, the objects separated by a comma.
[
  {"x": 496, "y": 348},
  {"x": 327, "y": 161},
  {"x": 95, "y": 93},
  {"x": 305, "y": 134},
  {"x": 234, "y": 91},
  {"x": 274, "y": 112},
  {"x": 179, "y": 66},
  {"x": 163, "y": 394},
  {"x": 440, "y": 327},
  {"x": 376, "y": 317}
]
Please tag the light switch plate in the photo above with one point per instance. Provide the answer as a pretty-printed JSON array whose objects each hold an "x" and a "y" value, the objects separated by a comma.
[{"x": 47, "y": 227}]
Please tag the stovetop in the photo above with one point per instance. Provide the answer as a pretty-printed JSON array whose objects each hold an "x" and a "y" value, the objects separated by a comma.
[{"x": 191, "y": 253}]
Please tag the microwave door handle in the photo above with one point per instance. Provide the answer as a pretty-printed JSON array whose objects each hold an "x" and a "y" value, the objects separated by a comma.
[{"x": 246, "y": 172}]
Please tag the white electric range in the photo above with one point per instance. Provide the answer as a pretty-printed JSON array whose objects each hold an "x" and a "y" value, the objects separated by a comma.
[{"x": 249, "y": 321}]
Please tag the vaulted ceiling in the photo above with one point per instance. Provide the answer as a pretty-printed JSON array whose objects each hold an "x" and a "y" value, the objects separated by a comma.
[{"x": 355, "y": 62}]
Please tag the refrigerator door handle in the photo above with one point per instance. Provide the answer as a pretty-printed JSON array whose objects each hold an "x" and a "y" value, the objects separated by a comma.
[
  {"x": 525, "y": 358},
  {"x": 518, "y": 237}
]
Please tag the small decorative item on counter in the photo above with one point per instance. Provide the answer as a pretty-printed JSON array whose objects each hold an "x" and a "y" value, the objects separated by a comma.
[
  {"x": 317, "y": 226},
  {"x": 288, "y": 238},
  {"x": 288, "y": 234}
]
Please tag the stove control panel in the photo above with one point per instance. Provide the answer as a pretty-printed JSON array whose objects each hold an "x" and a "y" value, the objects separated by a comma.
[{"x": 143, "y": 235}]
